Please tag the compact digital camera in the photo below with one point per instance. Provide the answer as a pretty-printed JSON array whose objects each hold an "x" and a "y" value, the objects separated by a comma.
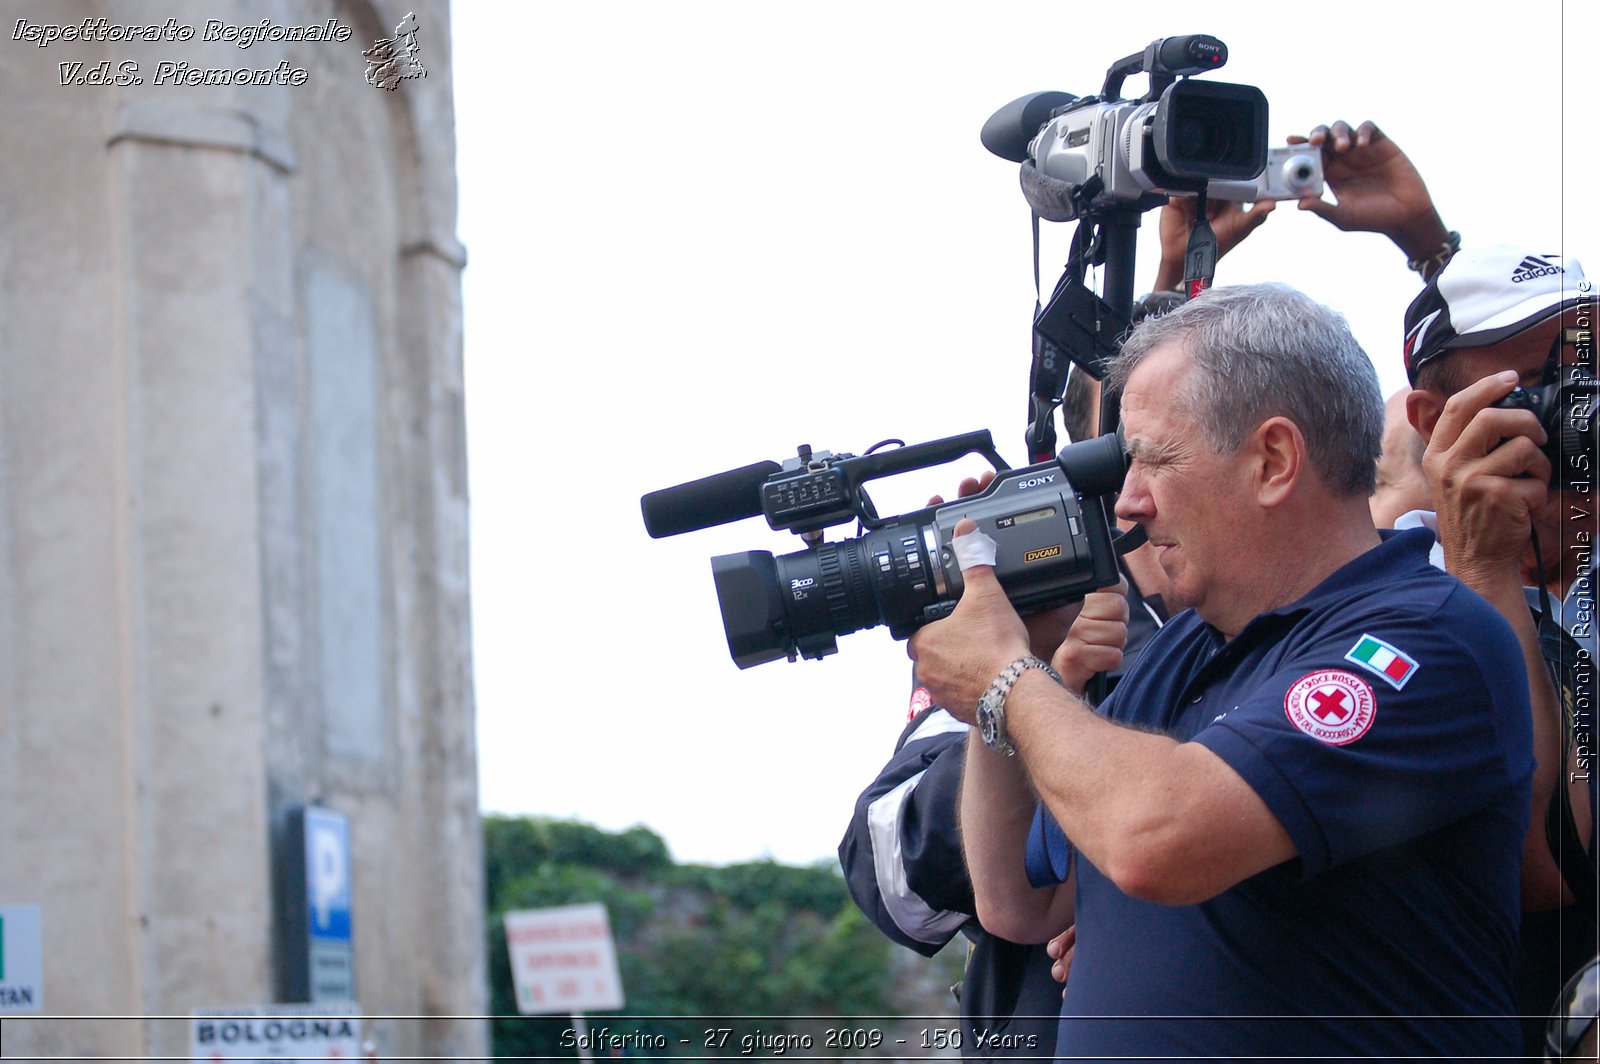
[{"x": 1293, "y": 172}]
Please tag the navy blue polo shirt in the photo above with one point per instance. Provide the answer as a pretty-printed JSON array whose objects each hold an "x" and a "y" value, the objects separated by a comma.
[{"x": 1384, "y": 720}]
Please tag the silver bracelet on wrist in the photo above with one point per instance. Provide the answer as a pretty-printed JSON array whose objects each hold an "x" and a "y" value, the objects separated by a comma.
[
  {"x": 991, "y": 715},
  {"x": 1446, "y": 252}
]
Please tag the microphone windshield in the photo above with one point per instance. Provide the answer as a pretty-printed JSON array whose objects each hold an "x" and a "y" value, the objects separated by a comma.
[{"x": 713, "y": 500}]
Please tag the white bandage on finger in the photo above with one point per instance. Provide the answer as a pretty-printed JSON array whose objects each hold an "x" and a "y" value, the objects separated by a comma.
[{"x": 974, "y": 548}]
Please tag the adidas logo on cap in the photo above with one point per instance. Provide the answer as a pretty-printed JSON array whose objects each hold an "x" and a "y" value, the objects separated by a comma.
[{"x": 1536, "y": 266}]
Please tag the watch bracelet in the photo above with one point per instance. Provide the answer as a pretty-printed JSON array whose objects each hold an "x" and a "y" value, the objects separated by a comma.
[{"x": 997, "y": 693}]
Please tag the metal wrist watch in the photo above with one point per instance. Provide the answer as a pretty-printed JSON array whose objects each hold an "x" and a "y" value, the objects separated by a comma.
[{"x": 991, "y": 717}]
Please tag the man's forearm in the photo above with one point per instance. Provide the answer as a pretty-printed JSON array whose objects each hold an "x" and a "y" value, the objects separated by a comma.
[
  {"x": 1422, "y": 236},
  {"x": 997, "y": 808},
  {"x": 1168, "y": 822},
  {"x": 1105, "y": 784},
  {"x": 1169, "y": 275}
]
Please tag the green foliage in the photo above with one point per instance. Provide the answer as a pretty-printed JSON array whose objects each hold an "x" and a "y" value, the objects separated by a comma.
[
  {"x": 814, "y": 889},
  {"x": 693, "y": 942},
  {"x": 515, "y": 846}
]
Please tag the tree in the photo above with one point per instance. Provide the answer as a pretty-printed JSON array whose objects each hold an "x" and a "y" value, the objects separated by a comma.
[{"x": 694, "y": 943}]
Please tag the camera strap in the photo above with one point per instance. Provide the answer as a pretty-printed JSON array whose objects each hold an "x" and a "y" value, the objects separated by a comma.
[
  {"x": 1570, "y": 666},
  {"x": 1571, "y": 669},
  {"x": 1566, "y": 661},
  {"x": 1200, "y": 258},
  {"x": 1047, "y": 378},
  {"x": 1075, "y": 328},
  {"x": 1079, "y": 321},
  {"x": 1037, "y": 287}
]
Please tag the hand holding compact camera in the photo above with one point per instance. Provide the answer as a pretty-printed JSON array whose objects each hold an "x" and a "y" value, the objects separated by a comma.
[{"x": 1293, "y": 172}]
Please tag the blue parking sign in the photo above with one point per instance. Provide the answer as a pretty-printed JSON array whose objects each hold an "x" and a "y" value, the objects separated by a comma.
[{"x": 327, "y": 841}]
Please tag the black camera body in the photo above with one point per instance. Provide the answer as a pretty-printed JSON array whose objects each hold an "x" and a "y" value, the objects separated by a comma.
[
  {"x": 1565, "y": 409},
  {"x": 1049, "y": 522}
]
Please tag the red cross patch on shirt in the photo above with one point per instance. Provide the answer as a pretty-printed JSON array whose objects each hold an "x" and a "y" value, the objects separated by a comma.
[
  {"x": 921, "y": 701},
  {"x": 1332, "y": 706}
]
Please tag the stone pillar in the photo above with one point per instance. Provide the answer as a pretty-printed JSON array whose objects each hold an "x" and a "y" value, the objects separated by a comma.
[{"x": 233, "y": 521}]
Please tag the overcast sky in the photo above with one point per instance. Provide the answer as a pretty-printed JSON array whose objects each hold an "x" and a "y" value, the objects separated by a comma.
[{"x": 701, "y": 234}]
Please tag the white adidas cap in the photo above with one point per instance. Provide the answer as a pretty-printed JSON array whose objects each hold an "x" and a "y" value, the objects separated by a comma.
[{"x": 1487, "y": 295}]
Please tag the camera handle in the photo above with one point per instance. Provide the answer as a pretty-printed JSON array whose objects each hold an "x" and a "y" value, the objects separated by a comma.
[
  {"x": 856, "y": 472},
  {"x": 1166, "y": 59}
]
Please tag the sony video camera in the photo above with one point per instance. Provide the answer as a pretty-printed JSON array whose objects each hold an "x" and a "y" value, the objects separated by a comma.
[
  {"x": 1049, "y": 522},
  {"x": 1182, "y": 135}
]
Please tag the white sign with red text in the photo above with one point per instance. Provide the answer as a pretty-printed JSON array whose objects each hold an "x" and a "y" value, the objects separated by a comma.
[{"x": 563, "y": 959}]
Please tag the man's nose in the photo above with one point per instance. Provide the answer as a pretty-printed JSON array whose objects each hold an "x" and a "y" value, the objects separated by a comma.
[{"x": 1133, "y": 504}]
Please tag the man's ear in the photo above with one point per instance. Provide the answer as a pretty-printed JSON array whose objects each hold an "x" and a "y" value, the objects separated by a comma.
[
  {"x": 1423, "y": 408},
  {"x": 1280, "y": 451}
]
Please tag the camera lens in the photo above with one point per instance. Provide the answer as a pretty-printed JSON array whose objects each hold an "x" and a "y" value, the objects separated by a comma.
[
  {"x": 1211, "y": 130},
  {"x": 1201, "y": 141},
  {"x": 800, "y": 603},
  {"x": 1300, "y": 174},
  {"x": 828, "y": 588}
]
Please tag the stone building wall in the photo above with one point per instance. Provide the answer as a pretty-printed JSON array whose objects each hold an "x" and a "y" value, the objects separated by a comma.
[{"x": 233, "y": 575}]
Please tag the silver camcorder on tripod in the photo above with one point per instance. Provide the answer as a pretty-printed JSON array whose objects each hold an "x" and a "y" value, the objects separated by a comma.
[{"x": 1182, "y": 135}]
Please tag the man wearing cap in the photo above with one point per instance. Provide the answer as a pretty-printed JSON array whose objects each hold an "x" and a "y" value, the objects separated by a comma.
[
  {"x": 1505, "y": 313},
  {"x": 1294, "y": 830},
  {"x": 1495, "y": 307},
  {"x": 1516, "y": 522}
]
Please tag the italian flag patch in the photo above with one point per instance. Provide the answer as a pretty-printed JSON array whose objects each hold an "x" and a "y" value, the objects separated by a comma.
[{"x": 1385, "y": 659}]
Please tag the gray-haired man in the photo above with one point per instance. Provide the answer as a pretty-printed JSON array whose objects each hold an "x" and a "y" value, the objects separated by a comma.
[{"x": 1270, "y": 817}]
